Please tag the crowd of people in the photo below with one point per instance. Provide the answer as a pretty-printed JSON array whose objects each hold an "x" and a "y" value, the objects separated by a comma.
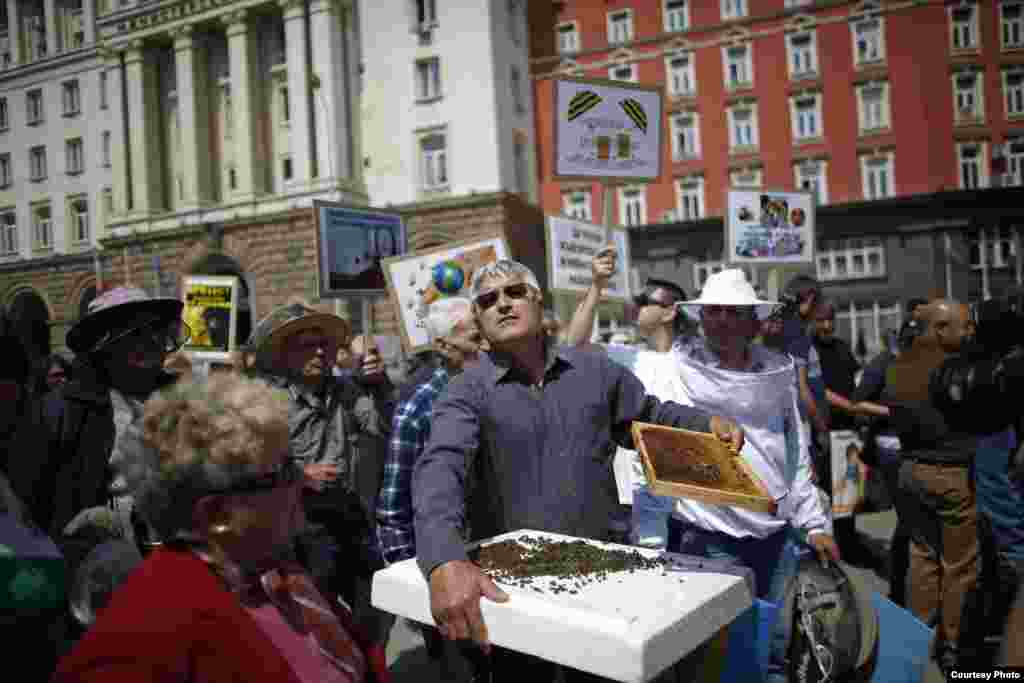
[{"x": 226, "y": 525}]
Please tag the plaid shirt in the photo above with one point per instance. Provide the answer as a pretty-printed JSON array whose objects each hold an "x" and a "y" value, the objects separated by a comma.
[{"x": 410, "y": 431}]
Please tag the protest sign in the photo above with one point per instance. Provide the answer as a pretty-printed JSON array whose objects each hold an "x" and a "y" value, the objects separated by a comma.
[
  {"x": 770, "y": 227},
  {"x": 351, "y": 244},
  {"x": 848, "y": 472},
  {"x": 572, "y": 245},
  {"x": 211, "y": 312}
]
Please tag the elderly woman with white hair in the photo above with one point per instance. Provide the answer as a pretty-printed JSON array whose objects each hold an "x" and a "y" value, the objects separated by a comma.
[{"x": 221, "y": 600}]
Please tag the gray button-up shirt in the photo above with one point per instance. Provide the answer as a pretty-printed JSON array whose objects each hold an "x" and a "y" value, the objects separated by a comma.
[{"x": 530, "y": 457}]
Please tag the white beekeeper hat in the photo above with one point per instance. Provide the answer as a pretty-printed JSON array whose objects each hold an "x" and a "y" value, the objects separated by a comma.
[{"x": 728, "y": 288}]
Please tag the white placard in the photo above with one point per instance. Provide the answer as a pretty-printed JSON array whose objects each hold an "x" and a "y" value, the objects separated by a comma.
[
  {"x": 572, "y": 245},
  {"x": 607, "y": 129},
  {"x": 848, "y": 472},
  {"x": 770, "y": 227}
]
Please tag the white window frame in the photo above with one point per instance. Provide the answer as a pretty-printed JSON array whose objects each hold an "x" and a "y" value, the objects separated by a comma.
[
  {"x": 690, "y": 204},
  {"x": 991, "y": 248},
  {"x": 5, "y": 115},
  {"x": 855, "y": 26},
  {"x": 621, "y": 30},
  {"x": 1013, "y": 98},
  {"x": 753, "y": 137},
  {"x": 806, "y": 126},
  {"x": 1015, "y": 160},
  {"x": 678, "y": 76},
  {"x": 813, "y": 172},
  {"x": 633, "y": 205},
  {"x": 576, "y": 204},
  {"x": 851, "y": 317},
  {"x": 74, "y": 156},
  {"x": 744, "y": 67},
  {"x": 81, "y": 232},
  {"x": 42, "y": 228},
  {"x": 692, "y": 148},
  {"x": 871, "y": 161},
  {"x": 37, "y": 163},
  {"x": 567, "y": 42},
  {"x": 8, "y": 232},
  {"x": 633, "y": 72},
  {"x": 676, "y": 18},
  {"x": 105, "y": 149},
  {"x": 104, "y": 94},
  {"x": 974, "y": 95},
  {"x": 428, "y": 79},
  {"x": 746, "y": 178},
  {"x": 964, "y": 36},
  {"x": 1011, "y": 32},
  {"x": 35, "y": 107},
  {"x": 71, "y": 98},
  {"x": 848, "y": 252},
  {"x": 433, "y": 164},
  {"x": 865, "y": 119},
  {"x": 796, "y": 57},
  {"x": 972, "y": 171},
  {"x": 734, "y": 9},
  {"x": 428, "y": 8},
  {"x": 6, "y": 170}
]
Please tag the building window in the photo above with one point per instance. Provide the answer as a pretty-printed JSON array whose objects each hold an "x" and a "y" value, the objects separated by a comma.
[
  {"x": 71, "y": 98},
  {"x": 751, "y": 178},
  {"x": 514, "y": 21},
  {"x": 812, "y": 176},
  {"x": 568, "y": 38},
  {"x": 5, "y": 171},
  {"x": 434, "y": 161},
  {"x": 851, "y": 259},
  {"x": 34, "y": 107},
  {"x": 705, "y": 269},
  {"x": 78, "y": 210},
  {"x": 37, "y": 163},
  {"x": 516, "y": 82},
  {"x": 428, "y": 79},
  {"x": 103, "y": 89},
  {"x": 576, "y": 204},
  {"x": 873, "y": 107},
  {"x": 868, "y": 41},
  {"x": 968, "y": 97},
  {"x": 682, "y": 77},
  {"x": 108, "y": 202},
  {"x": 426, "y": 12},
  {"x": 519, "y": 165},
  {"x": 803, "y": 55},
  {"x": 42, "y": 227},
  {"x": 806, "y": 113},
  {"x": 742, "y": 127},
  {"x": 623, "y": 72},
  {"x": 1012, "y": 19},
  {"x": 286, "y": 108},
  {"x": 286, "y": 168},
  {"x": 229, "y": 113},
  {"x": 1015, "y": 161},
  {"x": 632, "y": 206},
  {"x": 685, "y": 136},
  {"x": 992, "y": 248},
  {"x": 864, "y": 326},
  {"x": 74, "y": 156},
  {"x": 963, "y": 22},
  {"x": 739, "y": 69},
  {"x": 878, "y": 178},
  {"x": 677, "y": 16},
  {"x": 5, "y": 121},
  {"x": 690, "y": 192},
  {"x": 973, "y": 169},
  {"x": 1013, "y": 86},
  {"x": 733, "y": 9},
  {"x": 620, "y": 27},
  {"x": 105, "y": 151},
  {"x": 35, "y": 34},
  {"x": 232, "y": 178},
  {"x": 8, "y": 233}
]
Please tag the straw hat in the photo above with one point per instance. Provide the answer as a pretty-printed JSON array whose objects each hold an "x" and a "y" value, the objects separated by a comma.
[
  {"x": 116, "y": 309},
  {"x": 728, "y": 288},
  {"x": 270, "y": 333}
]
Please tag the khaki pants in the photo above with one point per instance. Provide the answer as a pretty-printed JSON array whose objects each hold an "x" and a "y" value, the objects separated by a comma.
[{"x": 944, "y": 549}]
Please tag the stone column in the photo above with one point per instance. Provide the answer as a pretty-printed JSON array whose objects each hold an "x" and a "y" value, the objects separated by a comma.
[
  {"x": 143, "y": 130},
  {"x": 89, "y": 20},
  {"x": 117, "y": 123},
  {"x": 194, "y": 120},
  {"x": 301, "y": 113},
  {"x": 50, "y": 22},
  {"x": 330, "y": 90},
  {"x": 14, "y": 32},
  {"x": 245, "y": 88}
]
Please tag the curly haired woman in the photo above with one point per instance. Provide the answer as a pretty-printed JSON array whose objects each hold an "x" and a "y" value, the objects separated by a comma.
[{"x": 221, "y": 600}]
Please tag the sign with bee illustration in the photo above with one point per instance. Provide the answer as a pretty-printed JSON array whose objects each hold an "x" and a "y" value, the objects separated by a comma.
[
  {"x": 764, "y": 226},
  {"x": 607, "y": 129}
]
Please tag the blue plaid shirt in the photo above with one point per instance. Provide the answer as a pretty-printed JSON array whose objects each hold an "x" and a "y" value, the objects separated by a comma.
[{"x": 410, "y": 430}]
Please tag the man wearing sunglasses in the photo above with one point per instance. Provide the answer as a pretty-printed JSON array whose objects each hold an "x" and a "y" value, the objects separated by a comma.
[{"x": 529, "y": 432}]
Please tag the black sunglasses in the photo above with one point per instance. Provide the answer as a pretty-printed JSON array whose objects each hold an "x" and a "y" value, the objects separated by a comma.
[
  {"x": 283, "y": 476},
  {"x": 517, "y": 291},
  {"x": 645, "y": 299}
]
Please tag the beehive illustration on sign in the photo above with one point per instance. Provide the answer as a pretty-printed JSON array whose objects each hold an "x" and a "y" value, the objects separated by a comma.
[
  {"x": 635, "y": 111},
  {"x": 583, "y": 102}
]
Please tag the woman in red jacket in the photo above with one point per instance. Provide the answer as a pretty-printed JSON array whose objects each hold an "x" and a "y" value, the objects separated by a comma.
[{"x": 221, "y": 600}]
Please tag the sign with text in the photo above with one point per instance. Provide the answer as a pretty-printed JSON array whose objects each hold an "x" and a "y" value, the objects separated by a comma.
[
  {"x": 211, "y": 312},
  {"x": 607, "y": 129},
  {"x": 770, "y": 227},
  {"x": 351, "y": 244},
  {"x": 572, "y": 245}
]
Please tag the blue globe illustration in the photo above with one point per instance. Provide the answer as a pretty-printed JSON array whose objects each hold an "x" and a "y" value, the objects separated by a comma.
[{"x": 449, "y": 278}]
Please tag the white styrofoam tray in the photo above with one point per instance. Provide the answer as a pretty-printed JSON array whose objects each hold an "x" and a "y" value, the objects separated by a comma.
[{"x": 629, "y": 627}]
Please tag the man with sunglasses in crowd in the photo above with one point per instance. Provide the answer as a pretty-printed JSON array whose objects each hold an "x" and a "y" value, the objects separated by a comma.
[{"x": 528, "y": 432}]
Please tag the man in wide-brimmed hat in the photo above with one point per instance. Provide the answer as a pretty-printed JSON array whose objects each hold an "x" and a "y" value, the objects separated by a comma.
[{"x": 338, "y": 428}]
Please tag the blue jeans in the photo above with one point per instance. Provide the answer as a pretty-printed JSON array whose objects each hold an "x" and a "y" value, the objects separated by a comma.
[
  {"x": 998, "y": 498},
  {"x": 773, "y": 559},
  {"x": 650, "y": 518}
]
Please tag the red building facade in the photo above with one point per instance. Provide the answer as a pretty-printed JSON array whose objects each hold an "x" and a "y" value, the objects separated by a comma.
[{"x": 854, "y": 101}]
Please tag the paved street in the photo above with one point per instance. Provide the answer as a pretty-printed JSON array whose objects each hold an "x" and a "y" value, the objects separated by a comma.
[{"x": 409, "y": 662}]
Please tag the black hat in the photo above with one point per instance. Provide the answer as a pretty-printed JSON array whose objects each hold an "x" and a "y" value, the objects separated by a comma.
[{"x": 112, "y": 310}]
